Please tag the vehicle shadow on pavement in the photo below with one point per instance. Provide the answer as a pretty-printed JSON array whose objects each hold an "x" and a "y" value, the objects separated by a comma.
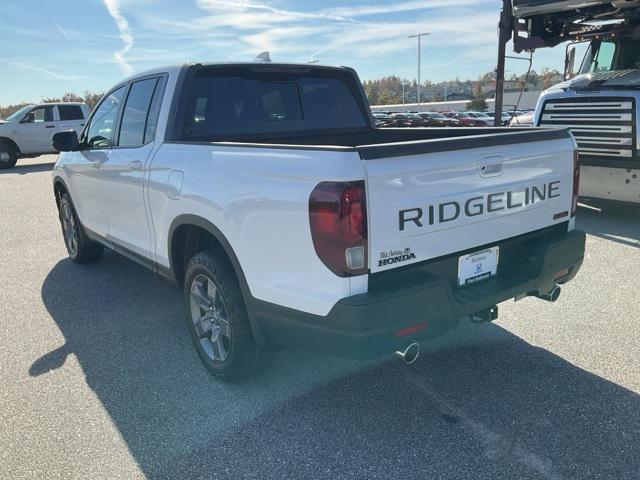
[
  {"x": 611, "y": 221},
  {"x": 28, "y": 168},
  {"x": 479, "y": 403}
]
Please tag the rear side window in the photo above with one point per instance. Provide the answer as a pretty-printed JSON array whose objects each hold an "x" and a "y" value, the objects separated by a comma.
[
  {"x": 239, "y": 102},
  {"x": 70, "y": 112},
  {"x": 136, "y": 112}
]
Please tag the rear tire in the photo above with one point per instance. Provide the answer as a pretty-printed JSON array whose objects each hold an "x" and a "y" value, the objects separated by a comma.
[
  {"x": 217, "y": 318},
  {"x": 8, "y": 156},
  {"x": 79, "y": 247}
]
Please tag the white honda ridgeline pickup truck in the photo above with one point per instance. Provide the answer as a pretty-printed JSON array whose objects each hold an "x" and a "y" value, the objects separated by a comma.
[{"x": 267, "y": 194}]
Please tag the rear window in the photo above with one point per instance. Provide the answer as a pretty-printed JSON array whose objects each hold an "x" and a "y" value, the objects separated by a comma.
[{"x": 240, "y": 102}]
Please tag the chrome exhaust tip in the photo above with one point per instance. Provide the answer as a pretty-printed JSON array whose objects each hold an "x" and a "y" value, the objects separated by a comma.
[
  {"x": 552, "y": 295},
  {"x": 409, "y": 354}
]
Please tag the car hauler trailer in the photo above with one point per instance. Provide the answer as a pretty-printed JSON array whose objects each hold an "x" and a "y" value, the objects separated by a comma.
[{"x": 599, "y": 97}]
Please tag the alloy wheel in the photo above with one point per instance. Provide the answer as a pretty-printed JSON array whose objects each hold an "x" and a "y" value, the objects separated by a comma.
[
  {"x": 210, "y": 318},
  {"x": 69, "y": 229}
]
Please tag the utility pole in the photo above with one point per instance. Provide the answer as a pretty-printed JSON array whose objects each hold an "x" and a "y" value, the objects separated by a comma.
[
  {"x": 505, "y": 29},
  {"x": 419, "y": 37},
  {"x": 403, "y": 107}
]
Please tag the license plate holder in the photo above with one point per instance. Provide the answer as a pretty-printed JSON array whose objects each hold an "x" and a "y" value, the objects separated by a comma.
[{"x": 478, "y": 266}]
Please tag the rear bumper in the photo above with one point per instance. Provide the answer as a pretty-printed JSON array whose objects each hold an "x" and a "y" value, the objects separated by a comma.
[
  {"x": 606, "y": 183},
  {"x": 365, "y": 326}
]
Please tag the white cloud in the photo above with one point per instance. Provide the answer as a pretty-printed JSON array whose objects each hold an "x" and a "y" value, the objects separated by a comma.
[
  {"x": 377, "y": 9},
  {"x": 34, "y": 68},
  {"x": 113, "y": 7},
  {"x": 62, "y": 32},
  {"x": 239, "y": 29}
]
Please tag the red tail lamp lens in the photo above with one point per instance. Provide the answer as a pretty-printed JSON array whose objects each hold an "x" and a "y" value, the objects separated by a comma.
[{"x": 338, "y": 219}]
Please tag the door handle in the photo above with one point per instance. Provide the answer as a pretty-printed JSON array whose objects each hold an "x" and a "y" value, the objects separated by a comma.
[
  {"x": 135, "y": 165},
  {"x": 50, "y": 126}
]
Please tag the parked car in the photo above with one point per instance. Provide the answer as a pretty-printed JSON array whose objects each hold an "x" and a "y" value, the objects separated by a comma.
[
  {"x": 406, "y": 120},
  {"x": 522, "y": 120},
  {"x": 382, "y": 119},
  {"x": 505, "y": 117},
  {"x": 466, "y": 120},
  {"x": 436, "y": 119},
  {"x": 320, "y": 230},
  {"x": 483, "y": 117},
  {"x": 28, "y": 132}
]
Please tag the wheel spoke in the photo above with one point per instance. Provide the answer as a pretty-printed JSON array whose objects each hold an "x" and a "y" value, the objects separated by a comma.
[
  {"x": 212, "y": 294},
  {"x": 203, "y": 327},
  {"x": 199, "y": 292},
  {"x": 223, "y": 323},
  {"x": 219, "y": 351}
]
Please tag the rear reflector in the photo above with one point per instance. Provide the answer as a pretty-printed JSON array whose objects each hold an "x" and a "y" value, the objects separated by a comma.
[
  {"x": 561, "y": 215},
  {"x": 403, "y": 332},
  {"x": 561, "y": 273}
]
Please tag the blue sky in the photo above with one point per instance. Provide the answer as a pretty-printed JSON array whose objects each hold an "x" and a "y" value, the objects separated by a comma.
[{"x": 49, "y": 47}]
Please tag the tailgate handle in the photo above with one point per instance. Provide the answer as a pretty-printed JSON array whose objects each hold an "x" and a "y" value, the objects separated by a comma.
[{"x": 490, "y": 165}]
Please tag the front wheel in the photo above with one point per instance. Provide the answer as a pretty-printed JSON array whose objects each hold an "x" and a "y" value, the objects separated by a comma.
[
  {"x": 8, "y": 156},
  {"x": 217, "y": 318},
  {"x": 79, "y": 247}
]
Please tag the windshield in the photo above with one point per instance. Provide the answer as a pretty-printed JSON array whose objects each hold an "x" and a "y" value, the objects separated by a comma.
[
  {"x": 19, "y": 114},
  {"x": 606, "y": 56},
  {"x": 437, "y": 115}
]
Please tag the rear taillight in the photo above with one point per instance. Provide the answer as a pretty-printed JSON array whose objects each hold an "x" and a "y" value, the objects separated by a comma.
[
  {"x": 338, "y": 219},
  {"x": 576, "y": 182}
]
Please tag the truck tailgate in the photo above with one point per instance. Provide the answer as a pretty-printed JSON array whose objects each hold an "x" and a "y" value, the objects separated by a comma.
[{"x": 432, "y": 198}]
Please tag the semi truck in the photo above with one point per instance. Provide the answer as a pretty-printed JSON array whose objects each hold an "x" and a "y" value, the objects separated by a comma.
[{"x": 599, "y": 97}]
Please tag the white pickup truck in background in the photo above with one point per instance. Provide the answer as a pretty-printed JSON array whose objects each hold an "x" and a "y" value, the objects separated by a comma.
[
  {"x": 28, "y": 132},
  {"x": 268, "y": 195}
]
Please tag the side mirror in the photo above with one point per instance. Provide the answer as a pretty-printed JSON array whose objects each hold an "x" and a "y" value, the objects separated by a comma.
[
  {"x": 28, "y": 118},
  {"x": 569, "y": 61},
  {"x": 65, "y": 141}
]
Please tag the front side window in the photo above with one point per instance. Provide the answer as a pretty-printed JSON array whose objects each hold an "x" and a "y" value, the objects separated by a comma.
[
  {"x": 39, "y": 115},
  {"x": 101, "y": 131},
  {"x": 136, "y": 112},
  {"x": 599, "y": 57}
]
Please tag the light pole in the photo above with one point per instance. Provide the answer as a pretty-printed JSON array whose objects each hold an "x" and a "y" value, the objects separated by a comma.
[
  {"x": 404, "y": 109},
  {"x": 419, "y": 37}
]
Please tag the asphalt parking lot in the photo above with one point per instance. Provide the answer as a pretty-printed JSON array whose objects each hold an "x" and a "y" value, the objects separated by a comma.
[{"x": 98, "y": 378}]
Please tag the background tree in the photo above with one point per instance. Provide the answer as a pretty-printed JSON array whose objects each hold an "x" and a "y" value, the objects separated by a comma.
[{"x": 479, "y": 101}]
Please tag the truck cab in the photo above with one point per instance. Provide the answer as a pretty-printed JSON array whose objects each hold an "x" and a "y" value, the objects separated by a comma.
[
  {"x": 598, "y": 99},
  {"x": 28, "y": 131},
  {"x": 599, "y": 103}
]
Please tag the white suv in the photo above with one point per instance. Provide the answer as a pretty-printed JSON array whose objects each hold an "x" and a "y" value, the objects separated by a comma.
[{"x": 28, "y": 132}]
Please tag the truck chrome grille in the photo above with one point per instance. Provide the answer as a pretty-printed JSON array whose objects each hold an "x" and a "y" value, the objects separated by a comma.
[{"x": 603, "y": 127}]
